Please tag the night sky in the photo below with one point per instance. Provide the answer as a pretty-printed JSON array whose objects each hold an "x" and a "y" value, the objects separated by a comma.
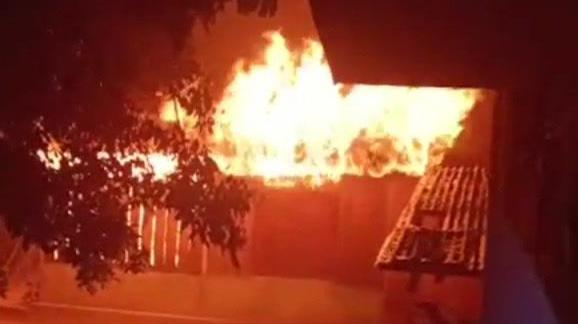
[{"x": 237, "y": 36}]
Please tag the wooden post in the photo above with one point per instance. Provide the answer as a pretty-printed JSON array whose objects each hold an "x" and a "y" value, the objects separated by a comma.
[
  {"x": 141, "y": 216},
  {"x": 128, "y": 219},
  {"x": 204, "y": 259},
  {"x": 152, "y": 245},
  {"x": 165, "y": 234},
  {"x": 177, "y": 259}
]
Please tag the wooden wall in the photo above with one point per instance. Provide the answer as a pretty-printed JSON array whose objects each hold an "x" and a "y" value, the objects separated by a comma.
[{"x": 329, "y": 233}]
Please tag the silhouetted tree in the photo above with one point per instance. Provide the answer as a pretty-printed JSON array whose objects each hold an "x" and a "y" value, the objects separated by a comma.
[{"x": 69, "y": 69}]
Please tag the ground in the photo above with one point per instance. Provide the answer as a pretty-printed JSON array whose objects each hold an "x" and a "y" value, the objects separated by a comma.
[{"x": 179, "y": 298}]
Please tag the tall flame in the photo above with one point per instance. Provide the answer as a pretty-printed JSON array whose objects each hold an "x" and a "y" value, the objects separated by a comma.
[{"x": 284, "y": 119}]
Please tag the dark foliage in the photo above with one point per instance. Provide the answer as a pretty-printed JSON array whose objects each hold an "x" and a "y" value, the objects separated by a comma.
[{"x": 66, "y": 77}]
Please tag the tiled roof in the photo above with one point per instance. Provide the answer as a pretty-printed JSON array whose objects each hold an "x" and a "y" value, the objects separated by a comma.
[{"x": 442, "y": 229}]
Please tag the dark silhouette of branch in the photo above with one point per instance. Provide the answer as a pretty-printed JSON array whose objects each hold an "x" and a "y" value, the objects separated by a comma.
[{"x": 71, "y": 68}]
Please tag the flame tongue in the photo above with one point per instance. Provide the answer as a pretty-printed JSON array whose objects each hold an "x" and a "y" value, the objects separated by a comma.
[{"x": 285, "y": 118}]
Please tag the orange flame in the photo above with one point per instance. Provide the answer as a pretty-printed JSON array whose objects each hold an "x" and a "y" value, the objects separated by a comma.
[
  {"x": 160, "y": 165},
  {"x": 285, "y": 120},
  {"x": 54, "y": 155},
  {"x": 172, "y": 112}
]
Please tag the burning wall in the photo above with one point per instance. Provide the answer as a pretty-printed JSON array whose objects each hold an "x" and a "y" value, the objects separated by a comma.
[{"x": 282, "y": 119}]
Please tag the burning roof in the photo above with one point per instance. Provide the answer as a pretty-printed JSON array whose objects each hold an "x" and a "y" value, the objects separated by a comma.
[{"x": 282, "y": 118}]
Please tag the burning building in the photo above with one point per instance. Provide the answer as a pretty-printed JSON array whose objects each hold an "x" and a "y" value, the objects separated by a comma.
[
  {"x": 337, "y": 168},
  {"x": 352, "y": 174}
]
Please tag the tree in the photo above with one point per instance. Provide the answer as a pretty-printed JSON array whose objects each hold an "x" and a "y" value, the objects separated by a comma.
[{"x": 69, "y": 83}]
